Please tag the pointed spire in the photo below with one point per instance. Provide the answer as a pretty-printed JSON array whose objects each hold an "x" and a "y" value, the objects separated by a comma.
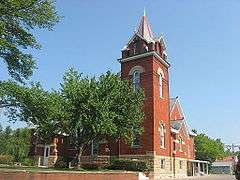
[
  {"x": 144, "y": 28},
  {"x": 144, "y": 12}
]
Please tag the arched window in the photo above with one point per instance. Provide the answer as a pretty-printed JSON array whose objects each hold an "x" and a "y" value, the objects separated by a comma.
[
  {"x": 161, "y": 85},
  {"x": 161, "y": 76},
  {"x": 136, "y": 80},
  {"x": 162, "y": 136}
]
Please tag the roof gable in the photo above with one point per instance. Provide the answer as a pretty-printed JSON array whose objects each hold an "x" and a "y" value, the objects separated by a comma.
[
  {"x": 134, "y": 37},
  {"x": 177, "y": 118},
  {"x": 176, "y": 112}
]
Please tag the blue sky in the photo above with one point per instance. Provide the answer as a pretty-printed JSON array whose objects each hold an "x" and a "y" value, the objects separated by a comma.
[{"x": 202, "y": 40}]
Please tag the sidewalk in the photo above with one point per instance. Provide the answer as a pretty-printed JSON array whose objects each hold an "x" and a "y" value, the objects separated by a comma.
[{"x": 208, "y": 177}]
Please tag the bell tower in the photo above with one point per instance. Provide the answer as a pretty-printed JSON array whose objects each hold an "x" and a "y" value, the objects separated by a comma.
[{"x": 144, "y": 62}]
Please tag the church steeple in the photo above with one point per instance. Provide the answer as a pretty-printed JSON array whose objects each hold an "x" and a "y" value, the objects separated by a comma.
[
  {"x": 144, "y": 64},
  {"x": 144, "y": 29},
  {"x": 144, "y": 41}
]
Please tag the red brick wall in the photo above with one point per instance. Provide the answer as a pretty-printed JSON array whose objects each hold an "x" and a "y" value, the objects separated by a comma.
[
  {"x": 191, "y": 147},
  {"x": 161, "y": 108},
  {"x": 188, "y": 147},
  {"x": 188, "y": 150},
  {"x": 175, "y": 114},
  {"x": 156, "y": 109},
  {"x": 147, "y": 137},
  {"x": 70, "y": 176}
]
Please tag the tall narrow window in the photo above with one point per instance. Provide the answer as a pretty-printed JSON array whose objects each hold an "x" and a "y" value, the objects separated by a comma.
[
  {"x": 162, "y": 165},
  {"x": 180, "y": 144},
  {"x": 134, "y": 48},
  {"x": 136, "y": 80},
  {"x": 161, "y": 85},
  {"x": 180, "y": 164},
  {"x": 162, "y": 136}
]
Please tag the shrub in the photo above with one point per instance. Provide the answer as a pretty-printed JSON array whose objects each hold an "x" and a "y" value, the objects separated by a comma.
[
  {"x": 62, "y": 162},
  {"x": 28, "y": 162},
  {"x": 90, "y": 166},
  {"x": 6, "y": 159},
  {"x": 129, "y": 165}
]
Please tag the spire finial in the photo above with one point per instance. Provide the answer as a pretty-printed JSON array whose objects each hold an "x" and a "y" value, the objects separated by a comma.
[{"x": 144, "y": 12}]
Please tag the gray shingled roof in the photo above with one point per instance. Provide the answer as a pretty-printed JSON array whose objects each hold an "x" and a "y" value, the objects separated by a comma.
[{"x": 176, "y": 124}]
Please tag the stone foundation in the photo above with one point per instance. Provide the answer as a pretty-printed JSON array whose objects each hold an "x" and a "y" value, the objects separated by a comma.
[
  {"x": 160, "y": 170},
  {"x": 161, "y": 167},
  {"x": 180, "y": 170},
  {"x": 172, "y": 167}
]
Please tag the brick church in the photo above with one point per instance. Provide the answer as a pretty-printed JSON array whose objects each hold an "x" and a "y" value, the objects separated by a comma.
[{"x": 167, "y": 141}]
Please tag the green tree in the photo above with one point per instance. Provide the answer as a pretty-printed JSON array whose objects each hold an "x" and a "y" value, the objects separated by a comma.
[
  {"x": 86, "y": 109},
  {"x": 18, "y": 144},
  {"x": 99, "y": 108},
  {"x": 4, "y": 136},
  {"x": 17, "y": 20},
  {"x": 15, "y": 143},
  {"x": 33, "y": 105},
  {"x": 208, "y": 149}
]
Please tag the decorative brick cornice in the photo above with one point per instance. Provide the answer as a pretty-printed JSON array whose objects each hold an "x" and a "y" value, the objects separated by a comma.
[{"x": 152, "y": 53}]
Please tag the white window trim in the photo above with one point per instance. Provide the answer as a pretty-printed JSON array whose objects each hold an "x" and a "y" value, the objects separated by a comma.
[
  {"x": 162, "y": 136},
  {"x": 160, "y": 71},
  {"x": 161, "y": 86},
  {"x": 161, "y": 77},
  {"x": 136, "y": 68},
  {"x": 181, "y": 144}
]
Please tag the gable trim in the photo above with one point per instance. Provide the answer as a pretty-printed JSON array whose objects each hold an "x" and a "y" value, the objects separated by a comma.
[{"x": 179, "y": 107}]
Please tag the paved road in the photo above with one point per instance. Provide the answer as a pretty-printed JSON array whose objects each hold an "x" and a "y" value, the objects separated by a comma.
[
  {"x": 220, "y": 177},
  {"x": 223, "y": 177}
]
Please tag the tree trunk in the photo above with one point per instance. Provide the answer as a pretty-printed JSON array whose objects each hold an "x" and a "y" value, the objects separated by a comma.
[{"x": 80, "y": 151}]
